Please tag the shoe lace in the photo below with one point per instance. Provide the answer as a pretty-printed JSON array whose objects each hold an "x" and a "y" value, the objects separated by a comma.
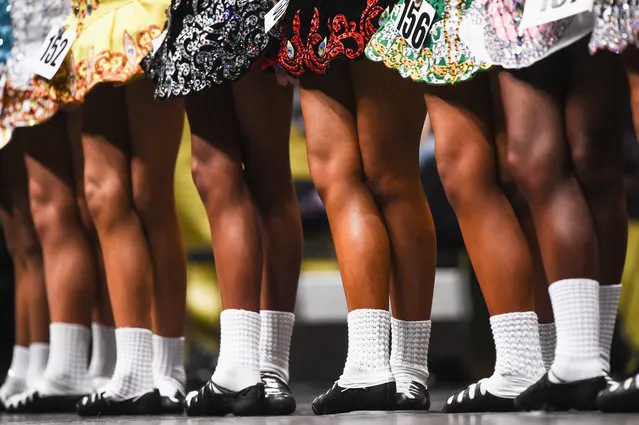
[
  {"x": 272, "y": 384},
  {"x": 472, "y": 392},
  {"x": 625, "y": 385},
  {"x": 409, "y": 389},
  {"x": 21, "y": 399}
]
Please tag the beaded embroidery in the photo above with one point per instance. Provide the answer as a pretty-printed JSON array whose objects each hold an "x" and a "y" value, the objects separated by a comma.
[
  {"x": 209, "y": 42},
  {"x": 344, "y": 38},
  {"x": 115, "y": 66},
  {"x": 445, "y": 59}
]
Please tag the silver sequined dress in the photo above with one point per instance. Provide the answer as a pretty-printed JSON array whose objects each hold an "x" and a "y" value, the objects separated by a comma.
[
  {"x": 616, "y": 25},
  {"x": 499, "y": 39},
  {"x": 208, "y": 42},
  {"x": 29, "y": 99},
  {"x": 32, "y": 20}
]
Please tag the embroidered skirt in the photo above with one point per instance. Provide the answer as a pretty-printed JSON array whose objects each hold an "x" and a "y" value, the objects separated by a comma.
[
  {"x": 510, "y": 46},
  {"x": 616, "y": 25},
  {"x": 209, "y": 42},
  {"x": 315, "y": 32},
  {"x": 444, "y": 57},
  {"x": 28, "y": 99},
  {"x": 113, "y": 36}
]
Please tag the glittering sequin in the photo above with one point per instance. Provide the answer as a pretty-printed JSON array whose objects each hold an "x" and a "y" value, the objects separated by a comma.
[
  {"x": 290, "y": 50},
  {"x": 616, "y": 25},
  {"x": 444, "y": 59},
  {"x": 209, "y": 42},
  {"x": 321, "y": 49},
  {"x": 309, "y": 24}
]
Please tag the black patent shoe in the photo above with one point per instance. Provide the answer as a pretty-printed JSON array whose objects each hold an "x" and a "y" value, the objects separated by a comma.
[
  {"x": 172, "y": 405},
  {"x": 418, "y": 398},
  {"x": 343, "y": 400},
  {"x": 564, "y": 396},
  {"x": 34, "y": 402},
  {"x": 620, "y": 397},
  {"x": 279, "y": 399},
  {"x": 476, "y": 399},
  {"x": 98, "y": 404},
  {"x": 214, "y": 400}
]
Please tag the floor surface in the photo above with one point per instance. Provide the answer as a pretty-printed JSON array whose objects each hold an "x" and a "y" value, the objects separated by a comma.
[{"x": 304, "y": 416}]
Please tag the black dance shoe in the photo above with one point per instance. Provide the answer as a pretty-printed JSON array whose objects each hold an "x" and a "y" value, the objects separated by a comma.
[
  {"x": 476, "y": 399},
  {"x": 564, "y": 396},
  {"x": 172, "y": 405},
  {"x": 34, "y": 402},
  {"x": 98, "y": 405},
  {"x": 279, "y": 399},
  {"x": 620, "y": 397},
  {"x": 213, "y": 400},
  {"x": 418, "y": 398},
  {"x": 343, "y": 400}
]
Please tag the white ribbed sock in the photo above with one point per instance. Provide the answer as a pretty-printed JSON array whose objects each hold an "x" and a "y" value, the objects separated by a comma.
[
  {"x": 103, "y": 355},
  {"x": 608, "y": 305},
  {"x": 367, "y": 362},
  {"x": 575, "y": 303},
  {"x": 409, "y": 353},
  {"x": 133, "y": 373},
  {"x": 275, "y": 342},
  {"x": 38, "y": 359},
  {"x": 16, "y": 380},
  {"x": 518, "y": 362},
  {"x": 548, "y": 341},
  {"x": 168, "y": 365},
  {"x": 67, "y": 371},
  {"x": 238, "y": 365}
]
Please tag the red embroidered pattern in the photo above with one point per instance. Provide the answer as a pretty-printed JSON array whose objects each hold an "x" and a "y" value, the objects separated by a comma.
[{"x": 346, "y": 38}]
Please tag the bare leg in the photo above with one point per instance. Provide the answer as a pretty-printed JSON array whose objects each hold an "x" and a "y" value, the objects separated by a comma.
[
  {"x": 153, "y": 124},
  {"x": 217, "y": 166},
  {"x": 109, "y": 189},
  {"x": 68, "y": 261},
  {"x": 264, "y": 114}
]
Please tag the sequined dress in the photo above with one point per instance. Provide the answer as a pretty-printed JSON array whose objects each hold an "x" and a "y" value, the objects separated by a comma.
[
  {"x": 316, "y": 32},
  {"x": 444, "y": 57},
  {"x": 113, "y": 36},
  {"x": 210, "y": 42},
  {"x": 508, "y": 45},
  {"x": 29, "y": 99},
  {"x": 616, "y": 25}
]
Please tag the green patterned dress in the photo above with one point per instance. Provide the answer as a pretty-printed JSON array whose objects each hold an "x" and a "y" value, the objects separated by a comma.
[{"x": 443, "y": 59}]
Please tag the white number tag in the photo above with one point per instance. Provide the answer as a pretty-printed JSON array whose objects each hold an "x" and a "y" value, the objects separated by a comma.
[
  {"x": 415, "y": 22},
  {"x": 157, "y": 42},
  {"x": 538, "y": 12},
  {"x": 53, "y": 52},
  {"x": 274, "y": 15}
]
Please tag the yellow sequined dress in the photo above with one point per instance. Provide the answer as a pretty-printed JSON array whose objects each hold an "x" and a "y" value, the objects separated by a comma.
[{"x": 113, "y": 36}]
